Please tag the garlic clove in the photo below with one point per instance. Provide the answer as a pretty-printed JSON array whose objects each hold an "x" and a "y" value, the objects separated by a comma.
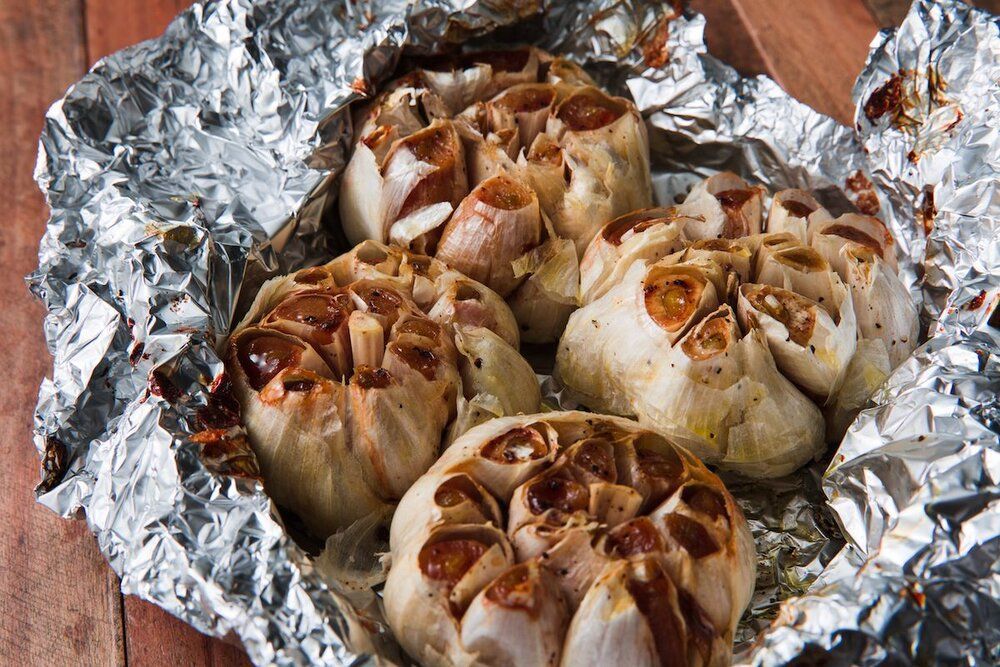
[
  {"x": 797, "y": 212},
  {"x": 801, "y": 269},
  {"x": 432, "y": 581},
  {"x": 732, "y": 255},
  {"x": 648, "y": 234},
  {"x": 567, "y": 551},
  {"x": 492, "y": 227},
  {"x": 367, "y": 339},
  {"x": 422, "y": 169},
  {"x": 551, "y": 496},
  {"x": 709, "y": 551},
  {"x": 452, "y": 498},
  {"x": 808, "y": 345},
  {"x": 295, "y": 419},
  {"x": 729, "y": 206},
  {"x": 518, "y": 619},
  {"x": 369, "y": 260},
  {"x": 676, "y": 296},
  {"x": 394, "y": 424},
  {"x": 854, "y": 230},
  {"x": 524, "y": 108},
  {"x": 885, "y": 310},
  {"x": 508, "y": 456},
  {"x": 635, "y": 615},
  {"x": 320, "y": 318},
  {"x": 606, "y": 153},
  {"x": 467, "y": 303},
  {"x": 496, "y": 380}
]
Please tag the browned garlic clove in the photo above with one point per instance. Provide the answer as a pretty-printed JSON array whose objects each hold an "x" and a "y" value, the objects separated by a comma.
[
  {"x": 494, "y": 225},
  {"x": 809, "y": 346},
  {"x": 635, "y": 615},
  {"x": 434, "y": 580},
  {"x": 729, "y": 206},
  {"x": 854, "y": 230},
  {"x": 524, "y": 108},
  {"x": 648, "y": 234},
  {"x": 606, "y": 153},
  {"x": 322, "y": 319},
  {"x": 519, "y": 619},
  {"x": 796, "y": 212}
]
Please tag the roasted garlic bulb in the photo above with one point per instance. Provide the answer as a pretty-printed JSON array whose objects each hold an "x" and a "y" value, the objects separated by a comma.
[
  {"x": 568, "y": 538},
  {"x": 349, "y": 375},
  {"x": 733, "y": 342},
  {"x": 504, "y": 165}
]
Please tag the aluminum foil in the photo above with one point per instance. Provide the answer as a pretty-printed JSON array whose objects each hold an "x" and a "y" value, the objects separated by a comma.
[{"x": 183, "y": 171}]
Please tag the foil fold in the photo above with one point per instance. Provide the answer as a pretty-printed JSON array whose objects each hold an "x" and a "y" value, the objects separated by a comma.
[{"x": 185, "y": 170}]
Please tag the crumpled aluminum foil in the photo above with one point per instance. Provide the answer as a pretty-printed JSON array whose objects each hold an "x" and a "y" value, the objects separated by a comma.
[{"x": 183, "y": 171}]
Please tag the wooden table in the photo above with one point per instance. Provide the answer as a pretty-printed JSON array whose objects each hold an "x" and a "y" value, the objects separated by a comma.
[{"x": 59, "y": 602}]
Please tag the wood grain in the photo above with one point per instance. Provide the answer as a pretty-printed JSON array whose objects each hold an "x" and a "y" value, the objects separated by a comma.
[
  {"x": 115, "y": 24},
  {"x": 59, "y": 601},
  {"x": 154, "y": 637},
  {"x": 814, "y": 49},
  {"x": 727, "y": 39}
]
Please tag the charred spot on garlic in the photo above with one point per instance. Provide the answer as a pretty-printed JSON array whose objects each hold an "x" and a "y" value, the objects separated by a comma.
[{"x": 516, "y": 446}]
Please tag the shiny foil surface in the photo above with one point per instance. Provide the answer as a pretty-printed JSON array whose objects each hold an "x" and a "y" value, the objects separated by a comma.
[{"x": 183, "y": 171}]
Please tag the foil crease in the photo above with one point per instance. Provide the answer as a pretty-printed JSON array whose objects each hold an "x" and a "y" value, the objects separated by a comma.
[{"x": 183, "y": 171}]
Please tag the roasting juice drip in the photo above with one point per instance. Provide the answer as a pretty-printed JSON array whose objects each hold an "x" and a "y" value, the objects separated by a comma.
[{"x": 263, "y": 357}]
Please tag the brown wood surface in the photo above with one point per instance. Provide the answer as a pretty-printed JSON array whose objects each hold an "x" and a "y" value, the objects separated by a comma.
[{"x": 59, "y": 602}]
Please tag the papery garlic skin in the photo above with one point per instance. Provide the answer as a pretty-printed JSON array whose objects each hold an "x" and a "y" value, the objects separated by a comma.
[
  {"x": 612, "y": 346},
  {"x": 349, "y": 386},
  {"x": 496, "y": 380},
  {"x": 479, "y": 75},
  {"x": 647, "y": 234},
  {"x": 796, "y": 212},
  {"x": 809, "y": 346},
  {"x": 729, "y": 207},
  {"x": 493, "y": 226},
  {"x": 546, "y": 600},
  {"x": 544, "y": 302},
  {"x": 730, "y": 404},
  {"x": 607, "y": 152}
]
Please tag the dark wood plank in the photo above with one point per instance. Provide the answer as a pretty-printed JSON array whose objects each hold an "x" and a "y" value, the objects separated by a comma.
[
  {"x": 727, "y": 38},
  {"x": 59, "y": 601},
  {"x": 153, "y": 636},
  {"x": 157, "y": 638},
  {"x": 115, "y": 24},
  {"x": 814, "y": 49}
]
